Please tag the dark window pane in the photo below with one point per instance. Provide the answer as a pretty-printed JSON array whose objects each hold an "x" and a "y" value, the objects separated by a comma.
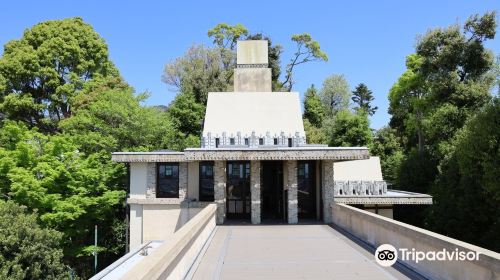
[
  {"x": 167, "y": 181},
  {"x": 206, "y": 181}
]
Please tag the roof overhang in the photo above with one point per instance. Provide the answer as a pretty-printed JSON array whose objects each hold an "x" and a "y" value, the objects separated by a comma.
[
  {"x": 391, "y": 197},
  {"x": 275, "y": 153}
]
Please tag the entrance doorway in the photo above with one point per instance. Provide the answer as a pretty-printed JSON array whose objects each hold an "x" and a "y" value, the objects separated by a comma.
[
  {"x": 238, "y": 190},
  {"x": 306, "y": 179},
  {"x": 273, "y": 207}
]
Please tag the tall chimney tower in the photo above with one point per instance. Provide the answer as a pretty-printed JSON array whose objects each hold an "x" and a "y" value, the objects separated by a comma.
[{"x": 252, "y": 73}]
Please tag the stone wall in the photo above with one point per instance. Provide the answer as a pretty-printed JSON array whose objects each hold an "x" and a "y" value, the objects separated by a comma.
[
  {"x": 151, "y": 180},
  {"x": 292, "y": 192},
  {"x": 328, "y": 190},
  {"x": 183, "y": 180},
  {"x": 255, "y": 191},
  {"x": 375, "y": 230},
  {"x": 220, "y": 190}
]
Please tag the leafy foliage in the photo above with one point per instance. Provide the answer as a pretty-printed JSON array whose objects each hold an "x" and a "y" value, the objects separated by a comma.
[
  {"x": 307, "y": 50},
  {"x": 43, "y": 71},
  {"x": 313, "y": 108},
  {"x": 28, "y": 251},
  {"x": 467, "y": 191},
  {"x": 335, "y": 94},
  {"x": 348, "y": 129}
]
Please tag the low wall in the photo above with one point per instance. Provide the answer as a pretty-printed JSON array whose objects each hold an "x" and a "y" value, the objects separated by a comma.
[
  {"x": 174, "y": 258},
  {"x": 376, "y": 230}
]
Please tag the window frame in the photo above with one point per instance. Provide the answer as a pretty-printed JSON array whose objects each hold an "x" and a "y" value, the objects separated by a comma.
[
  {"x": 173, "y": 181},
  {"x": 203, "y": 179}
]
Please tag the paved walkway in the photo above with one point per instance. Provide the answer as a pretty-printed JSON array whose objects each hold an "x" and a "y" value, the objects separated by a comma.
[{"x": 287, "y": 252}]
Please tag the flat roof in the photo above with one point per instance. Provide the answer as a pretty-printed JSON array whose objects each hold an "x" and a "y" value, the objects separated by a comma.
[{"x": 263, "y": 153}]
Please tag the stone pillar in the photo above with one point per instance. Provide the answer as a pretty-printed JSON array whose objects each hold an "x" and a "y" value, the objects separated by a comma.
[
  {"x": 183, "y": 180},
  {"x": 255, "y": 190},
  {"x": 220, "y": 190},
  {"x": 292, "y": 192},
  {"x": 328, "y": 190},
  {"x": 151, "y": 180}
]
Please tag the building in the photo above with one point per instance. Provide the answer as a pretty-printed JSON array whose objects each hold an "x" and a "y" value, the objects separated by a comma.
[{"x": 254, "y": 163}]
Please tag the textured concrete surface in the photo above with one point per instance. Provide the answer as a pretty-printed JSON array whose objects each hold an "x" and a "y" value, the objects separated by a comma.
[
  {"x": 287, "y": 252},
  {"x": 255, "y": 191}
]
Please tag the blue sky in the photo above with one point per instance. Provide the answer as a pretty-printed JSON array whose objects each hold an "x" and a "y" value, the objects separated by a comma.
[{"x": 367, "y": 41}]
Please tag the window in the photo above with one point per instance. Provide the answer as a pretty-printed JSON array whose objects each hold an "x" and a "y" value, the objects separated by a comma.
[
  {"x": 217, "y": 142},
  {"x": 231, "y": 141},
  {"x": 261, "y": 141},
  {"x": 290, "y": 142},
  {"x": 247, "y": 142},
  {"x": 167, "y": 180},
  {"x": 275, "y": 141},
  {"x": 206, "y": 181}
]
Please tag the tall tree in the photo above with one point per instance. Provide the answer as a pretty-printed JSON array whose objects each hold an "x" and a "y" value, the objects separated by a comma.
[
  {"x": 387, "y": 145},
  {"x": 42, "y": 72},
  {"x": 335, "y": 94},
  {"x": 467, "y": 191},
  {"x": 28, "y": 251},
  {"x": 314, "y": 111},
  {"x": 307, "y": 50},
  {"x": 363, "y": 97},
  {"x": 200, "y": 71},
  {"x": 347, "y": 129}
]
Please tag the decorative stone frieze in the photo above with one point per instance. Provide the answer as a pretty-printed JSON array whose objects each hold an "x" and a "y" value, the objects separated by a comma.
[
  {"x": 317, "y": 153},
  {"x": 292, "y": 192},
  {"x": 255, "y": 191},
  {"x": 220, "y": 190},
  {"x": 358, "y": 187}
]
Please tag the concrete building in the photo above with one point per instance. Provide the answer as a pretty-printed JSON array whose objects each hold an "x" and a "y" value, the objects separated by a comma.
[{"x": 254, "y": 163}]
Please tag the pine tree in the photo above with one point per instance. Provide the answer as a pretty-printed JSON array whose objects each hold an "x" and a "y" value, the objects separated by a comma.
[{"x": 362, "y": 96}]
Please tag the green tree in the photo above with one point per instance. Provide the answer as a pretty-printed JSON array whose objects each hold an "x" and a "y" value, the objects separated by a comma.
[
  {"x": 72, "y": 190},
  {"x": 187, "y": 118},
  {"x": 314, "y": 135},
  {"x": 314, "y": 111},
  {"x": 307, "y": 50},
  {"x": 335, "y": 94},
  {"x": 363, "y": 97},
  {"x": 225, "y": 37},
  {"x": 43, "y": 71},
  {"x": 467, "y": 191},
  {"x": 28, "y": 251},
  {"x": 200, "y": 71},
  {"x": 347, "y": 129},
  {"x": 386, "y": 145}
]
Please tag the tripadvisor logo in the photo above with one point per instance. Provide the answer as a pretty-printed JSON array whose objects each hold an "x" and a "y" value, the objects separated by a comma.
[{"x": 387, "y": 255}]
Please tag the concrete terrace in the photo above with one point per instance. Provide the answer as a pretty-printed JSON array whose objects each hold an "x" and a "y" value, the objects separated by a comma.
[{"x": 286, "y": 252}]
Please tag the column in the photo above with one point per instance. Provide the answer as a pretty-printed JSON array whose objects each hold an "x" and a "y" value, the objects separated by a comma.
[
  {"x": 183, "y": 180},
  {"x": 328, "y": 190},
  {"x": 220, "y": 190},
  {"x": 255, "y": 190},
  {"x": 292, "y": 192}
]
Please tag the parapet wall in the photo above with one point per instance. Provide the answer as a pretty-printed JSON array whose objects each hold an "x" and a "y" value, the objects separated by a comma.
[
  {"x": 174, "y": 258},
  {"x": 377, "y": 230}
]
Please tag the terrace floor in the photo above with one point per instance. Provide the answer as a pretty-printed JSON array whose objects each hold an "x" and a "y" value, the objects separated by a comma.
[{"x": 286, "y": 252}]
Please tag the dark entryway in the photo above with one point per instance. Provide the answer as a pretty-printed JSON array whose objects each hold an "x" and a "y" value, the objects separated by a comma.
[
  {"x": 238, "y": 190},
  {"x": 273, "y": 208},
  {"x": 306, "y": 179}
]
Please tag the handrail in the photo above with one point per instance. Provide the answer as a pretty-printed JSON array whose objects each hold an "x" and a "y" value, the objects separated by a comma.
[{"x": 162, "y": 261}]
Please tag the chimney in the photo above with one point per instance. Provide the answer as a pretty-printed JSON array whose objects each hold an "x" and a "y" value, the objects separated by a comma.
[{"x": 252, "y": 73}]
